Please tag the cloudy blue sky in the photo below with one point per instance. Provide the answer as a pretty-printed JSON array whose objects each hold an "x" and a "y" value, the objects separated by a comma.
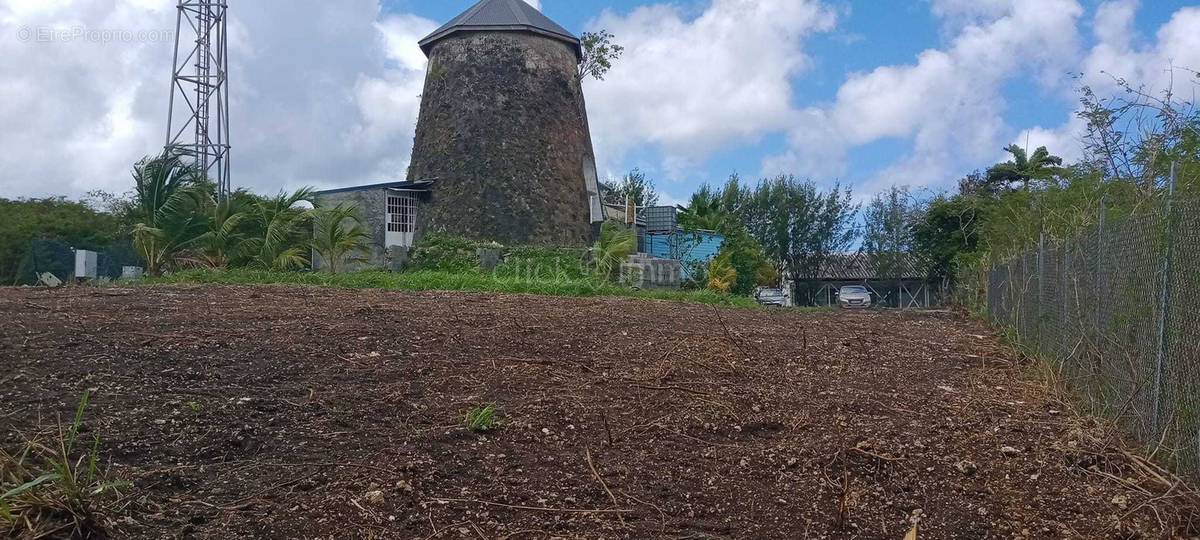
[{"x": 870, "y": 93}]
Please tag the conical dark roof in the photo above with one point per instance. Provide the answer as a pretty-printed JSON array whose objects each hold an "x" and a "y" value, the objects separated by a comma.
[{"x": 502, "y": 16}]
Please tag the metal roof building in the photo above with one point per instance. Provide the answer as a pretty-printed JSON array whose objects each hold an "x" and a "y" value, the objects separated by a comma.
[
  {"x": 862, "y": 266},
  {"x": 502, "y": 15},
  {"x": 898, "y": 280}
]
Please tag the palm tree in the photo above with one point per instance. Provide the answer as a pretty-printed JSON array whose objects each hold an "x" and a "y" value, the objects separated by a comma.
[
  {"x": 1042, "y": 165},
  {"x": 339, "y": 235},
  {"x": 170, "y": 201},
  {"x": 225, "y": 240},
  {"x": 282, "y": 243},
  {"x": 614, "y": 245},
  {"x": 705, "y": 211}
]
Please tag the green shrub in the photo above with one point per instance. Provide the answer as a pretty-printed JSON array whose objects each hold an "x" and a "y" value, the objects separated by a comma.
[
  {"x": 444, "y": 252},
  {"x": 427, "y": 280},
  {"x": 554, "y": 263}
]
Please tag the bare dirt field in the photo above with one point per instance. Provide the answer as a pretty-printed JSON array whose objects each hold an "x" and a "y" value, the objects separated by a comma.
[{"x": 314, "y": 412}]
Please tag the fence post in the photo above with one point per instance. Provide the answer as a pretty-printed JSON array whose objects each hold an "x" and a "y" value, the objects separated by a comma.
[
  {"x": 1100, "y": 284},
  {"x": 1164, "y": 308},
  {"x": 1041, "y": 288},
  {"x": 1064, "y": 270}
]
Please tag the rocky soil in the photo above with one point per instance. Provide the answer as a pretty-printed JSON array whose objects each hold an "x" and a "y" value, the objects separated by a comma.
[{"x": 319, "y": 412}]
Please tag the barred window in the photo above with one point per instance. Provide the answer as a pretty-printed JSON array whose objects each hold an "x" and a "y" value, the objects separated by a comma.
[{"x": 402, "y": 213}]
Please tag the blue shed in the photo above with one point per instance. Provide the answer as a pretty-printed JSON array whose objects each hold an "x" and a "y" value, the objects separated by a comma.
[{"x": 687, "y": 247}]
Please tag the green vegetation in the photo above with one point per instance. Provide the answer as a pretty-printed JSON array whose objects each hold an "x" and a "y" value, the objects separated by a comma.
[
  {"x": 480, "y": 419},
  {"x": 339, "y": 236},
  {"x": 170, "y": 204},
  {"x": 613, "y": 247},
  {"x": 47, "y": 490},
  {"x": 721, "y": 275},
  {"x": 446, "y": 253},
  {"x": 1023, "y": 169},
  {"x": 428, "y": 280},
  {"x": 633, "y": 186},
  {"x": 29, "y": 227},
  {"x": 544, "y": 263},
  {"x": 1130, "y": 143},
  {"x": 780, "y": 224},
  {"x": 599, "y": 52},
  {"x": 282, "y": 231},
  {"x": 181, "y": 222}
]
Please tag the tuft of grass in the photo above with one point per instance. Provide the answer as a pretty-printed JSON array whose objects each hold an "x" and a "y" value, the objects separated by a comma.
[
  {"x": 47, "y": 490},
  {"x": 482, "y": 418},
  {"x": 436, "y": 280}
]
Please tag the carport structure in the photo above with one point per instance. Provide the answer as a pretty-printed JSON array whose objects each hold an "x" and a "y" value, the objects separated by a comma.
[{"x": 895, "y": 280}]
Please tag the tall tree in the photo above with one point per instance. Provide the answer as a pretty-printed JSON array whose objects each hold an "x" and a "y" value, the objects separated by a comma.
[
  {"x": 888, "y": 230},
  {"x": 1023, "y": 168},
  {"x": 633, "y": 185},
  {"x": 1136, "y": 135},
  {"x": 704, "y": 211},
  {"x": 599, "y": 52},
  {"x": 947, "y": 235},
  {"x": 798, "y": 225}
]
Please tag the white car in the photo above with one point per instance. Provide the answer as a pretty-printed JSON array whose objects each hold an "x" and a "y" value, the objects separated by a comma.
[
  {"x": 771, "y": 297},
  {"x": 854, "y": 297}
]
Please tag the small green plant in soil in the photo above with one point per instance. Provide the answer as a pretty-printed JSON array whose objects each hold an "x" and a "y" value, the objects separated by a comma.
[
  {"x": 481, "y": 418},
  {"x": 47, "y": 490}
]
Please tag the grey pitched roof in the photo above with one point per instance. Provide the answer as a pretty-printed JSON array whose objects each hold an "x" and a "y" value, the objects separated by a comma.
[
  {"x": 502, "y": 15},
  {"x": 419, "y": 185}
]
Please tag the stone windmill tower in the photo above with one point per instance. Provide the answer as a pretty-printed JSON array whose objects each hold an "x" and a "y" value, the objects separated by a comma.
[{"x": 503, "y": 131}]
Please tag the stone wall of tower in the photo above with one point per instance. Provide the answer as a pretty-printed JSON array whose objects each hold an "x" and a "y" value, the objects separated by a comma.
[{"x": 503, "y": 130}]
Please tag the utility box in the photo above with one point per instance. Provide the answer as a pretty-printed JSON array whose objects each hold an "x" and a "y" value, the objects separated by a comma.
[
  {"x": 85, "y": 264},
  {"x": 132, "y": 272}
]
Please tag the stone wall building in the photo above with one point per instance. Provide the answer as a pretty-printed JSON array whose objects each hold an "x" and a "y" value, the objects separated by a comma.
[
  {"x": 502, "y": 150},
  {"x": 389, "y": 212},
  {"x": 503, "y": 130}
]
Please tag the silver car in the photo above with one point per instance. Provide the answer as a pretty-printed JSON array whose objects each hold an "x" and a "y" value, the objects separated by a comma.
[
  {"x": 854, "y": 297},
  {"x": 771, "y": 297}
]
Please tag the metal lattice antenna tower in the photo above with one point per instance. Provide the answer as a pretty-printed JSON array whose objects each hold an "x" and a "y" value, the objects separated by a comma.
[{"x": 201, "y": 80}]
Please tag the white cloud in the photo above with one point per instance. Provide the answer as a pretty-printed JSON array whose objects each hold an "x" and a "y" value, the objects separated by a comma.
[
  {"x": 1115, "y": 56},
  {"x": 949, "y": 103},
  {"x": 537, "y": 4},
  {"x": 327, "y": 93},
  {"x": 690, "y": 85},
  {"x": 324, "y": 93},
  {"x": 77, "y": 112}
]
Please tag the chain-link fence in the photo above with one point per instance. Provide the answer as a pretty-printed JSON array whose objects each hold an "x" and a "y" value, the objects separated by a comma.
[
  {"x": 57, "y": 257},
  {"x": 1116, "y": 306}
]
